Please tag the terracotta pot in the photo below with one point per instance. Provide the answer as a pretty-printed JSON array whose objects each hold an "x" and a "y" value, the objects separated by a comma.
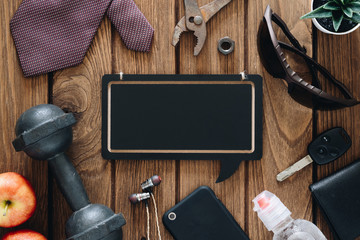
[{"x": 324, "y": 30}]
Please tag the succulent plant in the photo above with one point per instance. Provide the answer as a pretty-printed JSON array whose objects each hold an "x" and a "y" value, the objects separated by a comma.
[{"x": 337, "y": 10}]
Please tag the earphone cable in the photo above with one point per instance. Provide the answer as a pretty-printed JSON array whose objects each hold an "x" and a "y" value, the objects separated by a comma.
[
  {"x": 156, "y": 215},
  {"x": 148, "y": 221}
]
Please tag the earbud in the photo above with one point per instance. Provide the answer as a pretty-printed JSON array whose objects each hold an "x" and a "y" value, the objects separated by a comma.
[
  {"x": 138, "y": 197},
  {"x": 151, "y": 182}
]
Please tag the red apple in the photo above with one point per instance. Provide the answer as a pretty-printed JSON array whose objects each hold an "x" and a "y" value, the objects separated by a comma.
[
  {"x": 23, "y": 235},
  {"x": 17, "y": 199}
]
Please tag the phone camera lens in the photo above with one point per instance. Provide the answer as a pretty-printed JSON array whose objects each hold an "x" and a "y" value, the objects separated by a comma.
[{"x": 172, "y": 216}]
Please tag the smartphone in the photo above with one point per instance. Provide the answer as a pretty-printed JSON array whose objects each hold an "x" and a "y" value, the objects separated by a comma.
[{"x": 202, "y": 216}]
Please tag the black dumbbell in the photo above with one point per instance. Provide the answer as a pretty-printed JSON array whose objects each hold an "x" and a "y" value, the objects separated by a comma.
[{"x": 44, "y": 132}]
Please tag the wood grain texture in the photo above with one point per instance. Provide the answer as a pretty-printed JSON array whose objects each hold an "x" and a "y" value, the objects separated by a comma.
[
  {"x": 287, "y": 124},
  {"x": 340, "y": 55},
  {"x": 192, "y": 174},
  {"x": 129, "y": 174},
  {"x": 17, "y": 94},
  {"x": 78, "y": 90}
]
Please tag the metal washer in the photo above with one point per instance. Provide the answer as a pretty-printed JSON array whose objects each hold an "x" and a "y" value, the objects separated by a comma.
[{"x": 226, "y": 40}]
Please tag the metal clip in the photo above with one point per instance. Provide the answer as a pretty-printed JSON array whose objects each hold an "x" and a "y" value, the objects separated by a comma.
[
  {"x": 121, "y": 76},
  {"x": 243, "y": 75}
]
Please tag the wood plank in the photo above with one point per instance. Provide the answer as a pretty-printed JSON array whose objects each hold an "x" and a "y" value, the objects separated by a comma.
[
  {"x": 340, "y": 55},
  {"x": 130, "y": 173},
  {"x": 78, "y": 90},
  {"x": 192, "y": 174},
  {"x": 17, "y": 94},
  {"x": 287, "y": 124}
]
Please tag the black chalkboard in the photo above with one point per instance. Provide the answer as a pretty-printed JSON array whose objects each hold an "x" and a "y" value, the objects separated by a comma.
[{"x": 213, "y": 117}]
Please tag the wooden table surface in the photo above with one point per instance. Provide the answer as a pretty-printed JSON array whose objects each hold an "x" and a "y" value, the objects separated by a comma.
[{"x": 288, "y": 126}]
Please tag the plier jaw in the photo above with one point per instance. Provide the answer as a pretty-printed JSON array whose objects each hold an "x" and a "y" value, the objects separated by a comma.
[{"x": 195, "y": 20}]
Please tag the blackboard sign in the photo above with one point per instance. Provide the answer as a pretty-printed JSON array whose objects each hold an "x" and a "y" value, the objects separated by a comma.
[{"x": 213, "y": 117}]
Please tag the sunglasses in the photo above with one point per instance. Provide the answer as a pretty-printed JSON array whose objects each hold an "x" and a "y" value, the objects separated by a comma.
[{"x": 274, "y": 61}]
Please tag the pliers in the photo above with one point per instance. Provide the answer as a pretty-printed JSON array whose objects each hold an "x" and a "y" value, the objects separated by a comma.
[{"x": 195, "y": 19}]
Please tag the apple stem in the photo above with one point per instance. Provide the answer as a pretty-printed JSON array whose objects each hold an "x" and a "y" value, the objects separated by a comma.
[{"x": 6, "y": 207}]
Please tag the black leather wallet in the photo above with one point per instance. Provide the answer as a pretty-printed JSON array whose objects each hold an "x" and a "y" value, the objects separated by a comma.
[{"x": 339, "y": 198}]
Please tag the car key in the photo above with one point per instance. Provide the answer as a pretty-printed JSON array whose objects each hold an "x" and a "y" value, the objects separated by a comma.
[{"x": 327, "y": 147}]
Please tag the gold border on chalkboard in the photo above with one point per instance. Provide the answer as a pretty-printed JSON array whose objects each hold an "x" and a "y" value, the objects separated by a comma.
[{"x": 180, "y": 150}]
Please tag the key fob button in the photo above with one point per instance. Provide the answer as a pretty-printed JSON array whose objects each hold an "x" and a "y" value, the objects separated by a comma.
[
  {"x": 334, "y": 153},
  {"x": 325, "y": 139},
  {"x": 322, "y": 152}
]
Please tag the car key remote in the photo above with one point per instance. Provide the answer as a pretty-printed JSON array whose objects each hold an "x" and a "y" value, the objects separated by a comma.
[{"x": 325, "y": 148}]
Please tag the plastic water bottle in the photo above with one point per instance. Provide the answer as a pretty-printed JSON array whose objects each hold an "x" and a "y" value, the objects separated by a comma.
[{"x": 276, "y": 218}]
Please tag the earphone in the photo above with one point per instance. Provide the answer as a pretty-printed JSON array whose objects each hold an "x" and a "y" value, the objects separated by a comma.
[
  {"x": 147, "y": 186},
  {"x": 138, "y": 197},
  {"x": 151, "y": 182}
]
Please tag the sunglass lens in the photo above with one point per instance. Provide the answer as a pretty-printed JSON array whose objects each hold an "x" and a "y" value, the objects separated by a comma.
[
  {"x": 268, "y": 53},
  {"x": 301, "y": 95}
]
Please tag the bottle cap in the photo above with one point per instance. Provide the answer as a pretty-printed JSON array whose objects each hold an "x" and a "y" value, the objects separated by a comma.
[{"x": 270, "y": 209}]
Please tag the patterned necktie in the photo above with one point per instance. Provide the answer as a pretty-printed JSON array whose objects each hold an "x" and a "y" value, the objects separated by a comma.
[{"x": 54, "y": 34}]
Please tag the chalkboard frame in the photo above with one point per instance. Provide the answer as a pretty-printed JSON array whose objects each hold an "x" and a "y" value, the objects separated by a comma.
[{"x": 255, "y": 153}]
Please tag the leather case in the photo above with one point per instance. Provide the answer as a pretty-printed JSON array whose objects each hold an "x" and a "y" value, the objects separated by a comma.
[
  {"x": 339, "y": 198},
  {"x": 202, "y": 216}
]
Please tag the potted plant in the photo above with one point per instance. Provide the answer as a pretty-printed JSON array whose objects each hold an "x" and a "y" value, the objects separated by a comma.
[{"x": 337, "y": 17}]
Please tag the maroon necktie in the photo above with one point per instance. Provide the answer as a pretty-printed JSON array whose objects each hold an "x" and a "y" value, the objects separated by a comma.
[{"x": 54, "y": 34}]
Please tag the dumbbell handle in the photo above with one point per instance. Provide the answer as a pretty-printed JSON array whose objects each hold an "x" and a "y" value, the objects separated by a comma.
[{"x": 69, "y": 181}]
